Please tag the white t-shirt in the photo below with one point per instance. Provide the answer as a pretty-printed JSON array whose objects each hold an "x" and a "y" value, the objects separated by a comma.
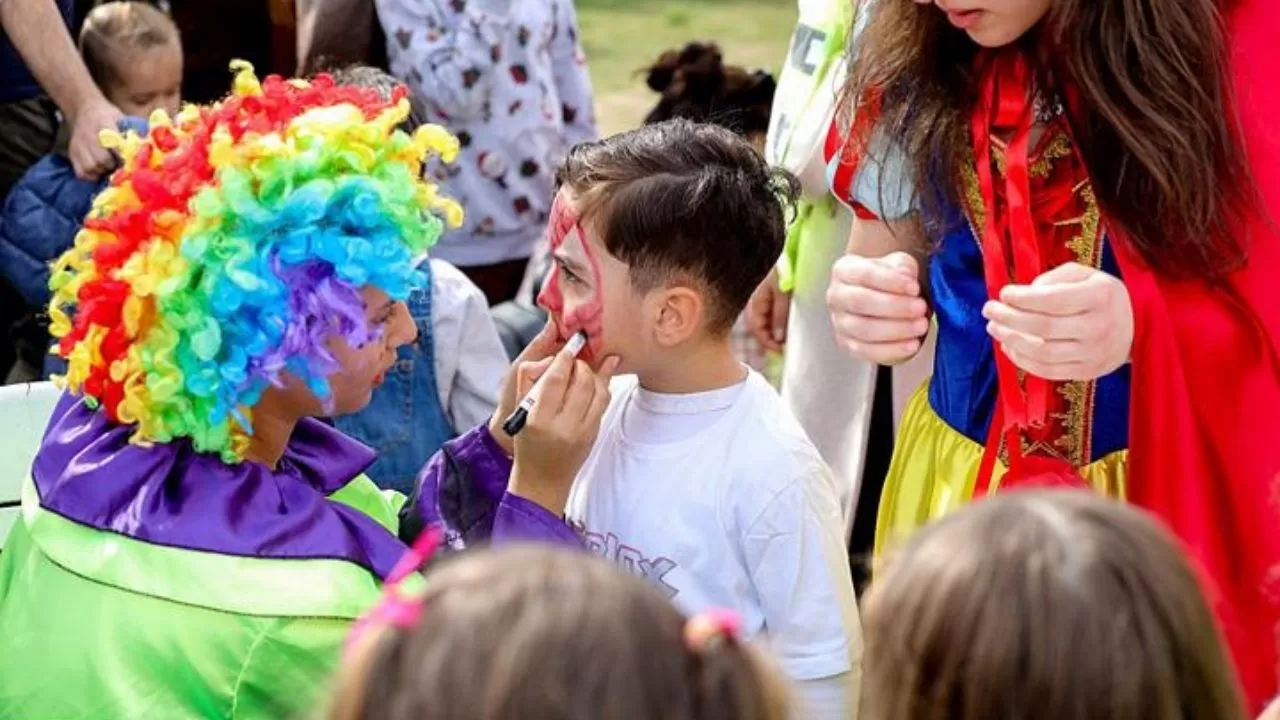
[{"x": 720, "y": 501}]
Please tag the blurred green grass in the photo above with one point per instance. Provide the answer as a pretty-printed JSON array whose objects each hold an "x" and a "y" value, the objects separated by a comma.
[{"x": 622, "y": 36}]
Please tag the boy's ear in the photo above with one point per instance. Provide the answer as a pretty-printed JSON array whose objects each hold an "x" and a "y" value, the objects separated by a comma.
[{"x": 680, "y": 310}]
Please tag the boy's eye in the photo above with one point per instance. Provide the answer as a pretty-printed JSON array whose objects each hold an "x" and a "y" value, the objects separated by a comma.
[{"x": 569, "y": 275}]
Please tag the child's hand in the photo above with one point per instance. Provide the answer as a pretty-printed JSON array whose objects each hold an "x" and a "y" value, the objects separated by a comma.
[
  {"x": 537, "y": 357},
  {"x": 561, "y": 428},
  {"x": 767, "y": 313}
]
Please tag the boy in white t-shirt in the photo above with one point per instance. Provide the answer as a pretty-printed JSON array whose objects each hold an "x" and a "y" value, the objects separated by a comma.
[{"x": 700, "y": 481}]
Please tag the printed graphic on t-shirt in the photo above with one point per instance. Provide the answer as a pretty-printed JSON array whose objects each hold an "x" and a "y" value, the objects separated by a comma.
[{"x": 652, "y": 570}]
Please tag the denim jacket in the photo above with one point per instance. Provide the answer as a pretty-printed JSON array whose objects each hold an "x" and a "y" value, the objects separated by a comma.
[{"x": 406, "y": 421}]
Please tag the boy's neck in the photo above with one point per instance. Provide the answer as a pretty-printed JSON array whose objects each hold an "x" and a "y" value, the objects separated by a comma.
[{"x": 709, "y": 366}]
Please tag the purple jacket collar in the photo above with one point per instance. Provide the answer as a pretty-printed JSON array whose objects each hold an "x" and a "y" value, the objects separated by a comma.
[{"x": 169, "y": 494}]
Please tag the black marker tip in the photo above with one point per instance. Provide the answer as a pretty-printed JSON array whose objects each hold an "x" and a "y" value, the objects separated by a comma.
[{"x": 515, "y": 423}]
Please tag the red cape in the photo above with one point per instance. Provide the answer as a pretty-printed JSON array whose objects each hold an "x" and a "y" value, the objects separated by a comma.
[{"x": 1204, "y": 433}]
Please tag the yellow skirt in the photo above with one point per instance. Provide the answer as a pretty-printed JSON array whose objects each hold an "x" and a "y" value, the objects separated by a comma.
[{"x": 935, "y": 470}]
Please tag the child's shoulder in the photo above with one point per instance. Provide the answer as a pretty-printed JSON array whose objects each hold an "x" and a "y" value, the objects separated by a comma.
[
  {"x": 772, "y": 468},
  {"x": 447, "y": 278},
  {"x": 452, "y": 292},
  {"x": 766, "y": 413},
  {"x": 766, "y": 440}
]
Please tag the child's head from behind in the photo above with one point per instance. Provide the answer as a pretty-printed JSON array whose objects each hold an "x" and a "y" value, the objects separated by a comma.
[
  {"x": 542, "y": 634},
  {"x": 695, "y": 84},
  {"x": 387, "y": 87},
  {"x": 134, "y": 53},
  {"x": 1053, "y": 605},
  {"x": 659, "y": 236}
]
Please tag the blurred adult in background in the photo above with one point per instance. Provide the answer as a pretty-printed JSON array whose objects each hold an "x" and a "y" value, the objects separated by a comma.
[
  {"x": 41, "y": 73},
  {"x": 509, "y": 79},
  {"x": 217, "y": 32},
  {"x": 39, "y": 64},
  {"x": 830, "y": 393},
  {"x": 134, "y": 53},
  {"x": 338, "y": 33},
  {"x": 848, "y": 407}
]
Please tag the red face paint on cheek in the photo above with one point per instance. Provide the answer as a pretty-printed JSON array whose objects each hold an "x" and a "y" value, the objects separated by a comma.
[
  {"x": 589, "y": 315},
  {"x": 585, "y": 313}
]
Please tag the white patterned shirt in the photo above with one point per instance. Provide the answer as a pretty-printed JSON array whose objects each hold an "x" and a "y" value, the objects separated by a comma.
[{"x": 508, "y": 77}]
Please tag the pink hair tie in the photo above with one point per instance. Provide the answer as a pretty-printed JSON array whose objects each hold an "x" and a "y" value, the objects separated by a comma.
[
  {"x": 393, "y": 609},
  {"x": 709, "y": 626}
]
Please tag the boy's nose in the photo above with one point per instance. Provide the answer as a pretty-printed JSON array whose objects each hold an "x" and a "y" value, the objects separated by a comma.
[{"x": 549, "y": 298}]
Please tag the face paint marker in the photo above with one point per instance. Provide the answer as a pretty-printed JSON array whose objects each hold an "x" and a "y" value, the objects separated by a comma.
[{"x": 515, "y": 423}]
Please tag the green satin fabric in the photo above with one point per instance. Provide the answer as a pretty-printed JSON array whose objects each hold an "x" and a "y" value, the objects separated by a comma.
[{"x": 94, "y": 625}]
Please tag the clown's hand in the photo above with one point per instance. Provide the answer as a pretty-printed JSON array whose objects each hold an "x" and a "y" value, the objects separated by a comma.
[
  {"x": 532, "y": 362},
  {"x": 561, "y": 428},
  {"x": 1071, "y": 323}
]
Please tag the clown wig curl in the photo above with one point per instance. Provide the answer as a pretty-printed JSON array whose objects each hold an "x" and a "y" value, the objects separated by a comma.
[{"x": 232, "y": 244}]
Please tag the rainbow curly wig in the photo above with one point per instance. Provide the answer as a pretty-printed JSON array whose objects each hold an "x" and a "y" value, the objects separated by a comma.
[{"x": 232, "y": 244}]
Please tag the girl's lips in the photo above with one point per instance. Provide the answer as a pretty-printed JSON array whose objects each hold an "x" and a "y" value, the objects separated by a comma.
[{"x": 964, "y": 19}]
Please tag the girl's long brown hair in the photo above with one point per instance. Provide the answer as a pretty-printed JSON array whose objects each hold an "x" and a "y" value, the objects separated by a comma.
[{"x": 1155, "y": 124}]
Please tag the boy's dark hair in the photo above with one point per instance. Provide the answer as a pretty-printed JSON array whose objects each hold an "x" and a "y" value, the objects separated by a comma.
[
  {"x": 546, "y": 634},
  {"x": 695, "y": 84},
  {"x": 682, "y": 201},
  {"x": 1058, "y": 605},
  {"x": 114, "y": 27},
  {"x": 366, "y": 76}
]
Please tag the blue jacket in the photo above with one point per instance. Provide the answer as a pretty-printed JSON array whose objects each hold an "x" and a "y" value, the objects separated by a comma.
[{"x": 41, "y": 217}]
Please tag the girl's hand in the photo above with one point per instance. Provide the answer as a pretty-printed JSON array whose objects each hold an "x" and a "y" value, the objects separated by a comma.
[
  {"x": 876, "y": 307},
  {"x": 1071, "y": 323},
  {"x": 561, "y": 428}
]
